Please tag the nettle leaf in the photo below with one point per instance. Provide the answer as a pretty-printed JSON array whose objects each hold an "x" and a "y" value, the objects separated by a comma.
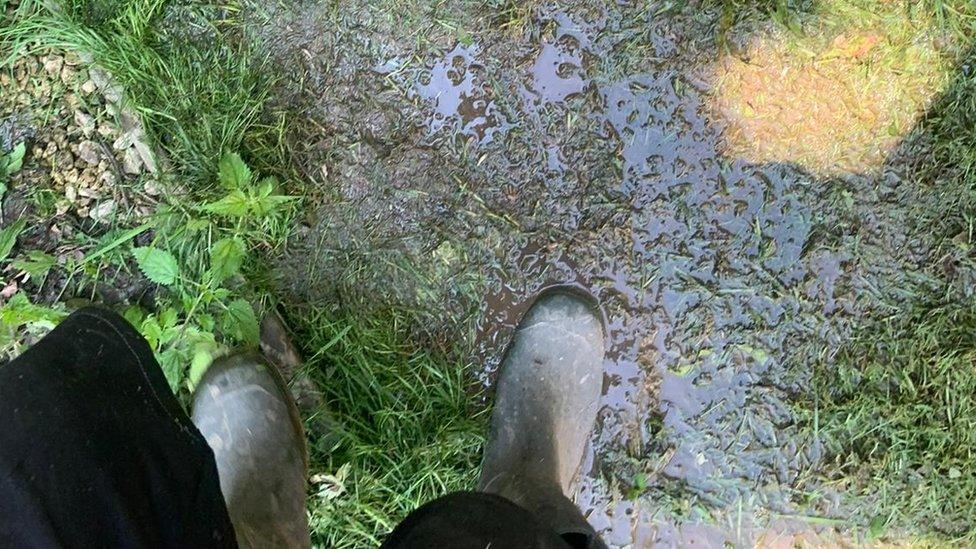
[
  {"x": 15, "y": 160},
  {"x": 240, "y": 322},
  {"x": 266, "y": 202},
  {"x": 234, "y": 173},
  {"x": 19, "y": 311},
  {"x": 171, "y": 361},
  {"x": 202, "y": 358},
  {"x": 134, "y": 314},
  {"x": 158, "y": 265},
  {"x": 267, "y": 186},
  {"x": 36, "y": 264},
  {"x": 235, "y": 204},
  {"x": 8, "y": 237},
  {"x": 169, "y": 317},
  {"x": 226, "y": 257},
  {"x": 152, "y": 331}
]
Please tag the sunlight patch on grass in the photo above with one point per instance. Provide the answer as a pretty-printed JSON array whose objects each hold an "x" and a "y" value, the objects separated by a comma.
[{"x": 834, "y": 98}]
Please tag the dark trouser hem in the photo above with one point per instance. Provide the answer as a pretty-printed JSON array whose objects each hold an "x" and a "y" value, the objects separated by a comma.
[
  {"x": 475, "y": 520},
  {"x": 95, "y": 451}
]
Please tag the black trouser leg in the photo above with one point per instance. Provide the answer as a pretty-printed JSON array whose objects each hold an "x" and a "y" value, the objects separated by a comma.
[
  {"x": 476, "y": 520},
  {"x": 95, "y": 451}
]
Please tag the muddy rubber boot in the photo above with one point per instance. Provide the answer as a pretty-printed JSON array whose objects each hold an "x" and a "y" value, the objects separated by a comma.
[
  {"x": 250, "y": 421},
  {"x": 546, "y": 404}
]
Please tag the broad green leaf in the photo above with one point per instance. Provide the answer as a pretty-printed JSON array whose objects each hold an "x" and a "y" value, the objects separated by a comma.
[
  {"x": 172, "y": 360},
  {"x": 19, "y": 311},
  {"x": 8, "y": 237},
  {"x": 266, "y": 201},
  {"x": 158, "y": 265},
  {"x": 206, "y": 322},
  {"x": 168, "y": 318},
  {"x": 226, "y": 257},
  {"x": 135, "y": 315},
  {"x": 15, "y": 160},
  {"x": 235, "y": 204},
  {"x": 36, "y": 264},
  {"x": 268, "y": 204},
  {"x": 240, "y": 322},
  {"x": 234, "y": 173},
  {"x": 152, "y": 331},
  {"x": 267, "y": 186},
  {"x": 202, "y": 358}
]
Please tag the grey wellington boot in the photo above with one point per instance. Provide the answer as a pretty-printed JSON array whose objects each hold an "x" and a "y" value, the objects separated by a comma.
[
  {"x": 245, "y": 412},
  {"x": 546, "y": 404}
]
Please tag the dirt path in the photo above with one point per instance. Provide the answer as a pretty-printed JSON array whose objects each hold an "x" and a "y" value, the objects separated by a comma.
[{"x": 575, "y": 146}]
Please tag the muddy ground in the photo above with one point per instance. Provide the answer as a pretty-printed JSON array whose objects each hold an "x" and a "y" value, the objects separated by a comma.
[{"x": 470, "y": 155}]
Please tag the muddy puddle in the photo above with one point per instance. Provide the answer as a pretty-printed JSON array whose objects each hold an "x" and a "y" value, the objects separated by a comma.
[{"x": 581, "y": 151}]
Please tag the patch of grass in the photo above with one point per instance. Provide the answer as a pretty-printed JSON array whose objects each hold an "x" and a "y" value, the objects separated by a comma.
[
  {"x": 898, "y": 414},
  {"x": 405, "y": 430},
  {"x": 197, "y": 102},
  {"x": 836, "y": 89}
]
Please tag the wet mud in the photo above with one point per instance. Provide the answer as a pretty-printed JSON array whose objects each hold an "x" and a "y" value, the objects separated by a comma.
[{"x": 582, "y": 151}]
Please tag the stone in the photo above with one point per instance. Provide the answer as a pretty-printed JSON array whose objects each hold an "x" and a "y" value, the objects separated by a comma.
[
  {"x": 87, "y": 193},
  {"x": 124, "y": 141},
  {"x": 151, "y": 187},
  {"x": 71, "y": 176},
  {"x": 107, "y": 178},
  {"x": 89, "y": 152},
  {"x": 131, "y": 162},
  {"x": 107, "y": 84},
  {"x": 85, "y": 122},
  {"x": 103, "y": 211},
  {"x": 53, "y": 64}
]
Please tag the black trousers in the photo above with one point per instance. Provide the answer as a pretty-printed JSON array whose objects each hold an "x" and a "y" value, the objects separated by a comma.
[{"x": 95, "y": 451}]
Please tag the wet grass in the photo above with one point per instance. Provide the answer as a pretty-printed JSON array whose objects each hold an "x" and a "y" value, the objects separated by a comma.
[{"x": 895, "y": 406}]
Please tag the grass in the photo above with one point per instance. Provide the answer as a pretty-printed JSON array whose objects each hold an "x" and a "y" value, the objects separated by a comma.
[
  {"x": 895, "y": 406},
  {"x": 402, "y": 428},
  {"x": 897, "y": 413}
]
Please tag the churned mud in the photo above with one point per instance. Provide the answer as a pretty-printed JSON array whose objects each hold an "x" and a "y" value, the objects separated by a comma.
[{"x": 466, "y": 163}]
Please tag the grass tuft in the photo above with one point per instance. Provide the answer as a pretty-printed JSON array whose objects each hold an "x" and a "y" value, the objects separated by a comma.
[
  {"x": 197, "y": 102},
  {"x": 404, "y": 427},
  {"x": 898, "y": 413}
]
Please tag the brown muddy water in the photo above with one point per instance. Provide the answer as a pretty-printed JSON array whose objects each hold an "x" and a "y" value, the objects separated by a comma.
[{"x": 577, "y": 148}]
